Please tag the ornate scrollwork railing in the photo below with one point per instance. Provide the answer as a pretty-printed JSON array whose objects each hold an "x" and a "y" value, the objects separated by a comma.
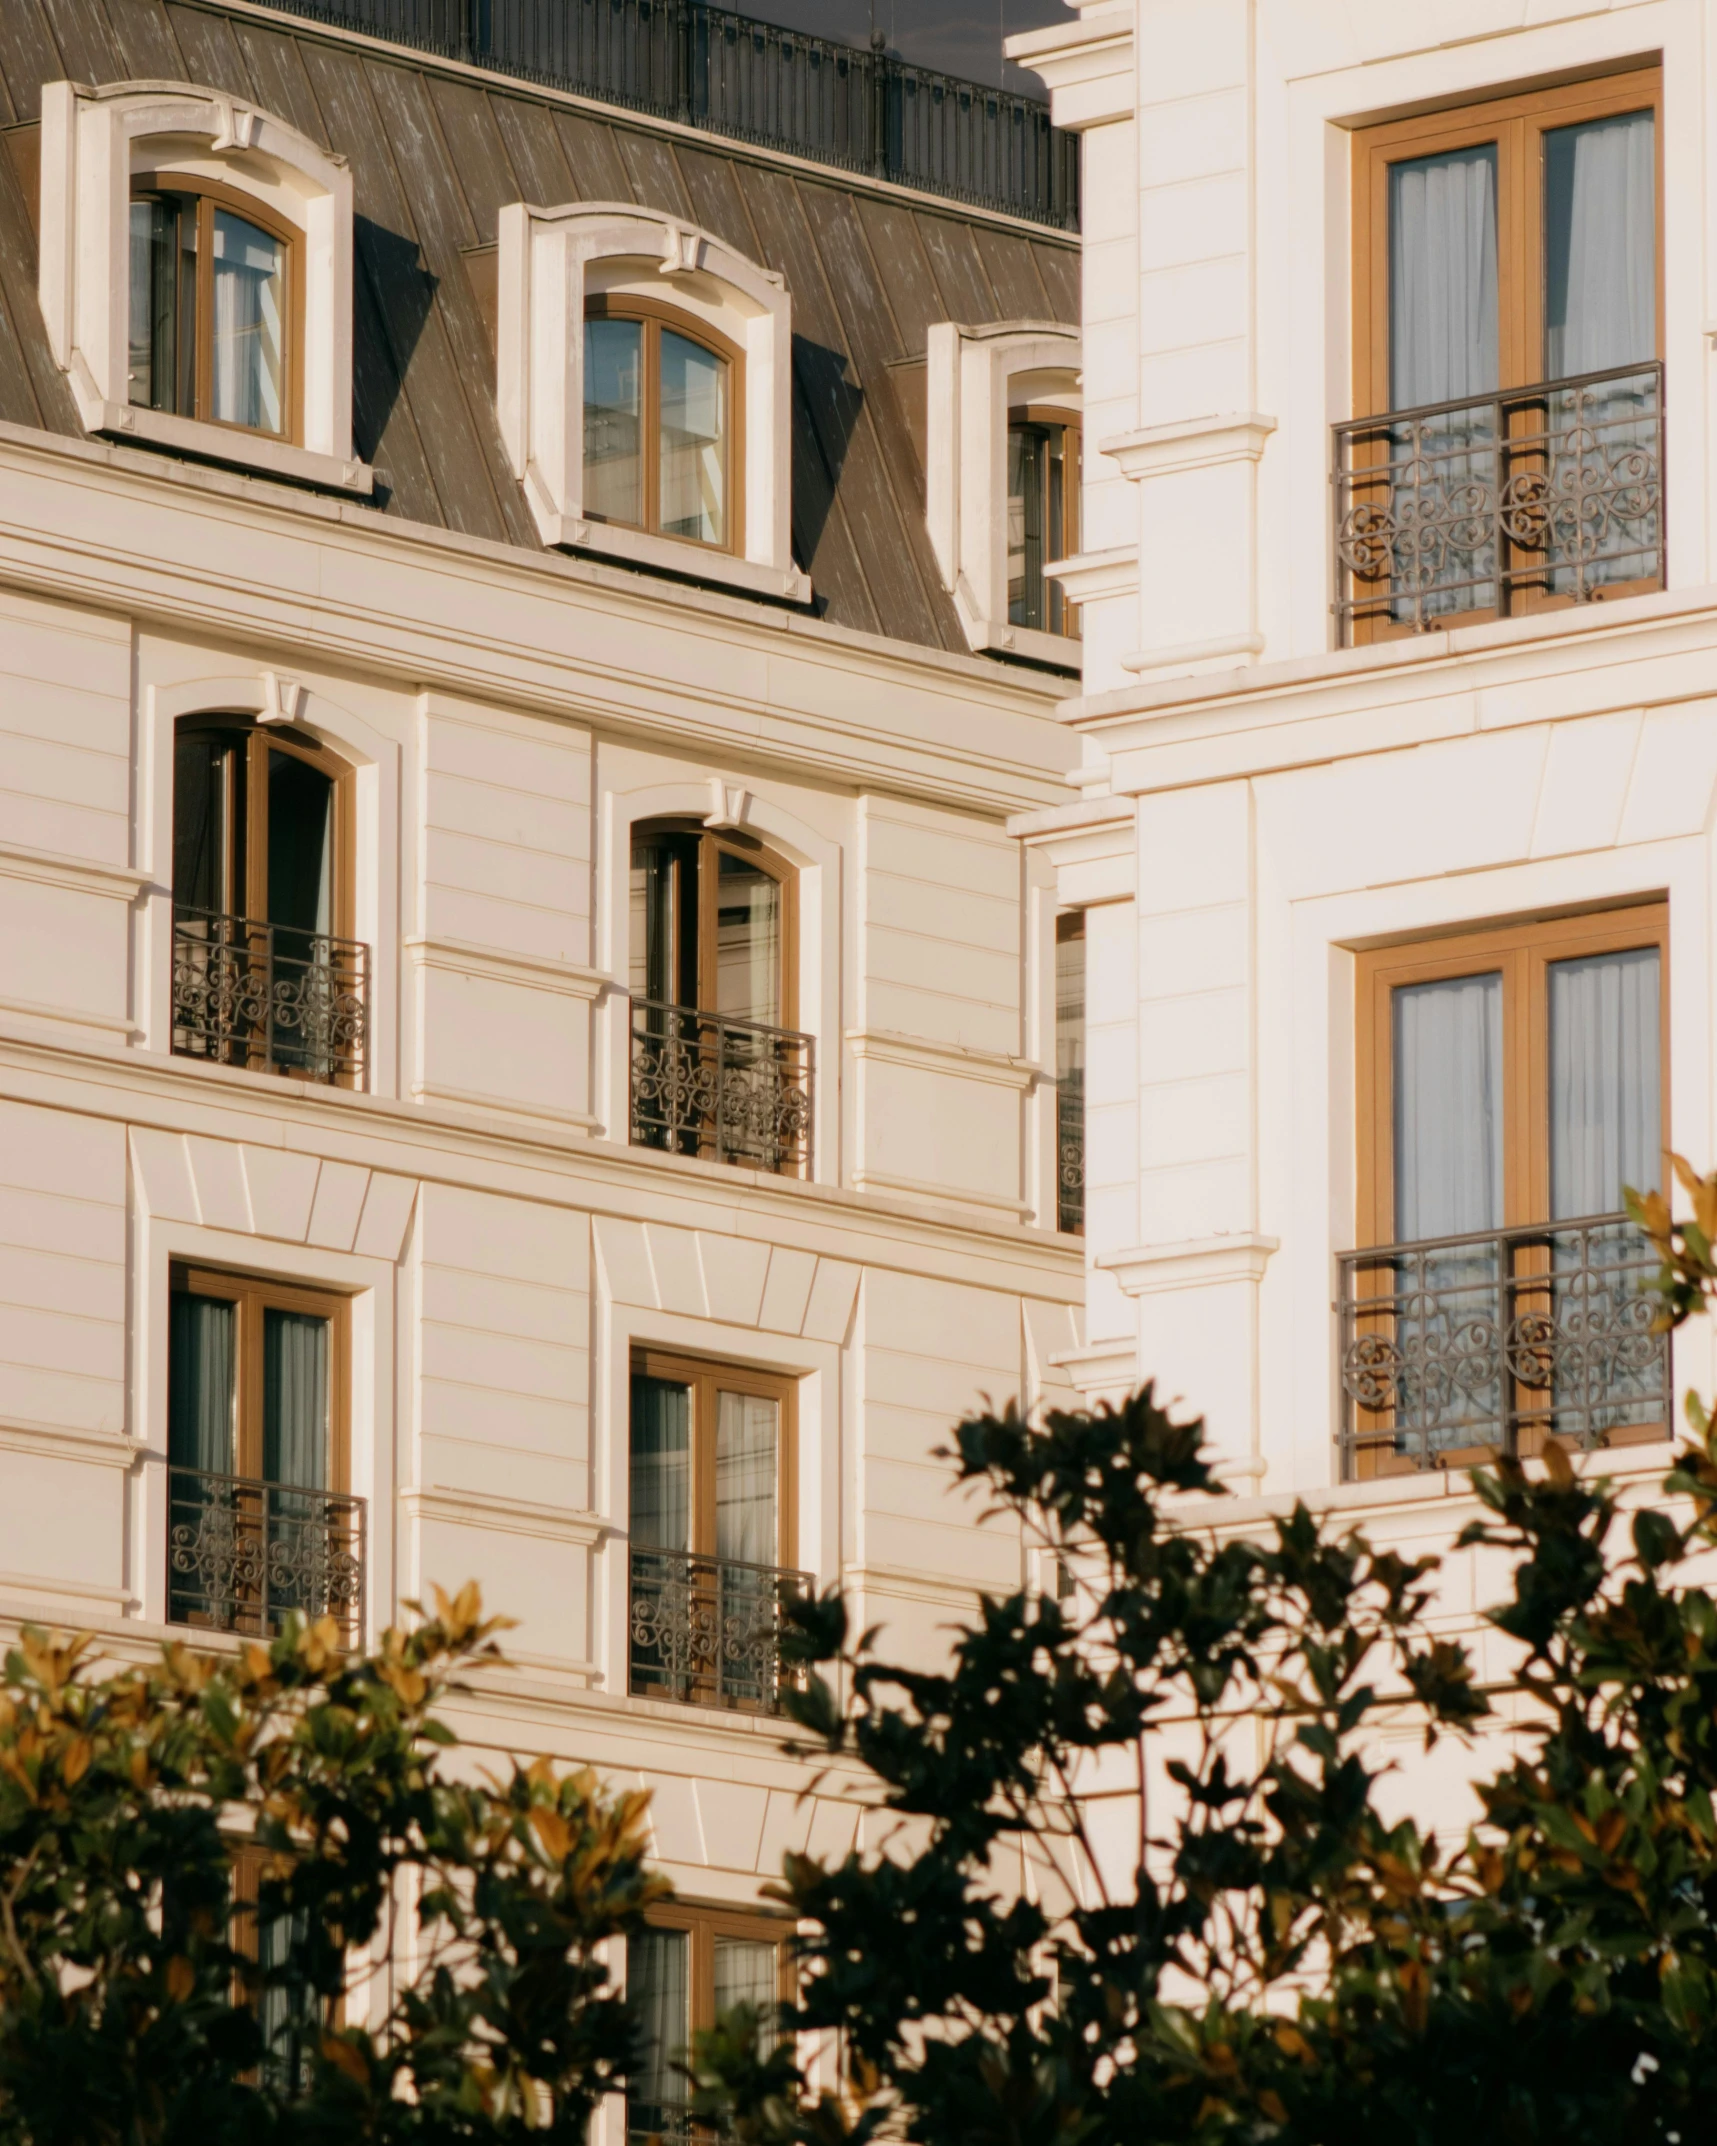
[
  {"x": 1554, "y": 491},
  {"x": 708, "y": 1629},
  {"x": 242, "y": 1553},
  {"x": 1070, "y": 1152},
  {"x": 668, "y": 2121},
  {"x": 1497, "y": 1340},
  {"x": 247, "y": 993},
  {"x": 730, "y": 1091}
]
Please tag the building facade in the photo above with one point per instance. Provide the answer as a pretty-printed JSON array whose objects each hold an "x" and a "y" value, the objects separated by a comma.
[
  {"x": 527, "y": 1047},
  {"x": 1394, "y": 843}
]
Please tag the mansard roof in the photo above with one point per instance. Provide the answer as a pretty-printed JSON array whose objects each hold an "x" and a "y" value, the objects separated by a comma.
[{"x": 436, "y": 150}]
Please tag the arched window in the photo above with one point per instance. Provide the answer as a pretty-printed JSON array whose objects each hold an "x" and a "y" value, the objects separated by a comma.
[
  {"x": 215, "y": 320},
  {"x": 662, "y": 401},
  {"x": 266, "y": 973},
  {"x": 717, "y": 1067},
  {"x": 1043, "y": 516}
]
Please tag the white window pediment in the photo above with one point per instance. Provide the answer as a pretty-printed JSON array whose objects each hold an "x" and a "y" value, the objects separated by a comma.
[
  {"x": 974, "y": 377},
  {"x": 95, "y": 144},
  {"x": 554, "y": 264}
]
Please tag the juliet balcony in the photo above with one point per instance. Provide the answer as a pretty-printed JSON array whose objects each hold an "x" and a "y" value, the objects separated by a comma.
[
  {"x": 1462, "y": 511},
  {"x": 270, "y": 998},
  {"x": 242, "y": 1553},
  {"x": 1454, "y": 1351},
  {"x": 707, "y": 1630},
  {"x": 730, "y": 1091}
]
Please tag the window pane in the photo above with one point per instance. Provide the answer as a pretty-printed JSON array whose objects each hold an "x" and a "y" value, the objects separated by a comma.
[
  {"x": 747, "y": 1463},
  {"x": 1448, "y": 1108},
  {"x": 286, "y": 2009},
  {"x": 747, "y": 942},
  {"x": 748, "y": 1971},
  {"x": 300, "y": 847},
  {"x": 1070, "y": 1074},
  {"x": 295, "y": 1399},
  {"x": 1600, "y": 245},
  {"x": 249, "y": 333},
  {"x": 163, "y": 294},
  {"x": 208, "y": 819},
  {"x": 661, "y": 1463},
  {"x": 1025, "y": 525},
  {"x": 613, "y": 421},
  {"x": 658, "y": 1987},
  {"x": 1605, "y": 1082},
  {"x": 201, "y": 1346},
  {"x": 693, "y": 441},
  {"x": 1442, "y": 277},
  {"x": 662, "y": 946}
]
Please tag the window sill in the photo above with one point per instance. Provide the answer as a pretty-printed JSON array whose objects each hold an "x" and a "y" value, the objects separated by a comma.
[
  {"x": 1025, "y": 644},
  {"x": 671, "y": 555},
  {"x": 225, "y": 443}
]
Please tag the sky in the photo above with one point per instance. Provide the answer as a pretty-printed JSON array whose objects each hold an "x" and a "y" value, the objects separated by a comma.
[{"x": 963, "y": 37}]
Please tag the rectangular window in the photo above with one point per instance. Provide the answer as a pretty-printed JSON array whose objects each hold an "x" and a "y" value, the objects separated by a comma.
[
  {"x": 1070, "y": 1070},
  {"x": 1506, "y": 448},
  {"x": 260, "y": 1521},
  {"x": 1511, "y": 1083},
  {"x": 1043, "y": 517},
  {"x": 682, "y": 1974},
  {"x": 712, "y": 1472}
]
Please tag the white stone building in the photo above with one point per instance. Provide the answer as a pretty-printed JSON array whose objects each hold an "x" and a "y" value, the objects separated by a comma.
[
  {"x": 1395, "y": 841},
  {"x": 527, "y": 1047}
]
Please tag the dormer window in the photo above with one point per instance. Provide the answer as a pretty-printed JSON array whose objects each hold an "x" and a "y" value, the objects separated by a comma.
[
  {"x": 658, "y": 398},
  {"x": 211, "y": 310},
  {"x": 1043, "y": 517}
]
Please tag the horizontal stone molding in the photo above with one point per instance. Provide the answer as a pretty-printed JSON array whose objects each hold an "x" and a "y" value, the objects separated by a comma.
[
  {"x": 505, "y": 1106},
  {"x": 1193, "y": 1263},
  {"x": 33, "y": 1587},
  {"x": 1179, "y": 653},
  {"x": 29, "y": 1009},
  {"x": 498, "y": 1514},
  {"x": 500, "y": 965},
  {"x": 1087, "y": 64},
  {"x": 58, "y": 1441},
  {"x": 83, "y": 875},
  {"x": 1090, "y": 576},
  {"x": 1189, "y": 443},
  {"x": 889, "y": 1047},
  {"x": 1101, "y": 1369},
  {"x": 923, "y": 1188}
]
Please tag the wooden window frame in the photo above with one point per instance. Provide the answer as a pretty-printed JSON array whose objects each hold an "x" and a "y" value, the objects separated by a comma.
[
  {"x": 251, "y": 897},
  {"x": 1517, "y": 124},
  {"x": 209, "y": 195},
  {"x": 711, "y": 847},
  {"x": 654, "y": 316},
  {"x": 1522, "y": 953},
  {"x": 704, "y": 1925},
  {"x": 1043, "y": 417},
  {"x": 707, "y": 1377},
  {"x": 253, "y": 1295}
]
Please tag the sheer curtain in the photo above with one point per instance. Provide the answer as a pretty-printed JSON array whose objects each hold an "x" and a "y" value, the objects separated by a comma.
[
  {"x": 1448, "y": 1108},
  {"x": 661, "y": 1463},
  {"x": 693, "y": 441},
  {"x": 1605, "y": 1082},
  {"x": 201, "y": 1342},
  {"x": 295, "y": 1399},
  {"x": 1442, "y": 277},
  {"x": 747, "y": 1971},
  {"x": 658, "y": 1986},
  {"x": 1600, "y": 245},
  {"x": 249, "y": 325},
  {"x": 747, "y": 1460}
]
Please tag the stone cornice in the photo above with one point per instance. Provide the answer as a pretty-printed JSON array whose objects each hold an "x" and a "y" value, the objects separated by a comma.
[
  {"x": 493, "y": 964},
  {"x": 1087, "y": 63},
  {"x": 1189, "y": 443},
  {"x": 53, "y": 868},
  {"x": 923, "y": 1057},
  {"x": 1193, "y": 1263}
]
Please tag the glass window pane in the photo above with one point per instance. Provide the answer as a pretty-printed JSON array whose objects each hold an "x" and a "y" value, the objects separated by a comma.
[
  {"x": 1070, "y": 1073},
  {"x": 202, "y": 1340},
  {"x": 613, "y": 421},
  {"x": 662, "y": 947},
  {"x": 1605, "y": 1082},
  {"x": 1448, "y": 1108},
  {"x": 658, "y": 1987},
  {"x": 1025, "y": 526},
  {"x": 1442, "y": 277},
  {"x": 208, "y": 819},
  {"x": 295, "y": 1399},
  {"x": 661, "y": 1463},
  {"x": 747, "y": 942},
  {"x": 1600, "y": 245},
  {"x": 747, "y": 1465},
  {"x": 748, "y": 1971},
  {"x": 248, "y": 385},
  {"x": 693, "y": 499},
  {"x": 300, "y": 846},
  {"x": 163, "y": 277}
]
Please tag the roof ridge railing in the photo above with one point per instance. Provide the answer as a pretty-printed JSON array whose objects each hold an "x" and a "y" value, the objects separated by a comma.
[{"x": 711, "y": 67}]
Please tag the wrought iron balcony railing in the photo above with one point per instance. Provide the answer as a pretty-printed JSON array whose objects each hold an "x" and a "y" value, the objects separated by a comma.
[
  {"x": 708, "y": 1629},
  {"x": 1552, "y": 492},
  {"x": 1070, "y": 1152},
  {"x": 1492, "y": 1342},
  {"x": 246, "y": 993},
  {"x": 669, "y": 2121},
  {"x": 730, "y": 1091},
  {"x": 756, "y": 82},
  {"x": 242, "y": 1553}
]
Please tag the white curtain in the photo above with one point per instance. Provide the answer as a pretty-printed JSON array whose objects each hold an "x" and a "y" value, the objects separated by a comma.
[
  {"x": 295, "y": 1399},
  {"x": 1605, "y": 1082},
  {"x": 201, "y": 1338},
  {"x": 1442, "y": 277},
  {"x": 249, "y": 325},
  {"x": 1448, "y": 1108},
  {"x": 661, "y": 1464},
  {"x": 658, "y": 1986},
  {"x": 693, "y": 441},
  {"x": 747, "y": 942},
  {"x": 1600, "y": 245},
  {"x": 747, "y": 1449},
  {"x": 747, "y": 1971}
]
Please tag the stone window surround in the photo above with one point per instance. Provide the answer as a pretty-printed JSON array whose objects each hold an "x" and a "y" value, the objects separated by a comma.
[
  {"x": 549, "y": 262},
  {"x": 93, "y": 141},
  {"x": 974, "y": 377}
]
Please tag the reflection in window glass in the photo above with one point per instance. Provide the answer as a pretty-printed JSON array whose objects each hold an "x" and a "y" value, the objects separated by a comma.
[
  {"x": 1043, "y": 487},
  {"x": 162, "y": 363},
  {"x": 748, "y": 942},
  {"x": 613, "y": 421},
  {"x": 248, "y": 357},
  {"x": 693, "y": 441}
]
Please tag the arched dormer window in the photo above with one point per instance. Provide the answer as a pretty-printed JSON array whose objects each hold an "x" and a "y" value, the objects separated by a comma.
[
  {"x": 644, "y": 388},
  {"x": 196, "y": 277},
  {"x": 1002, "y": 481},
  {"x": 266, "y": 974},
  {"x": 718, "y": 1069}
]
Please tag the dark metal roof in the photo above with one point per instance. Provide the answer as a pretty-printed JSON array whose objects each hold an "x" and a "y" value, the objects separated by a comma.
[{"x": 436, "y": 152}]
